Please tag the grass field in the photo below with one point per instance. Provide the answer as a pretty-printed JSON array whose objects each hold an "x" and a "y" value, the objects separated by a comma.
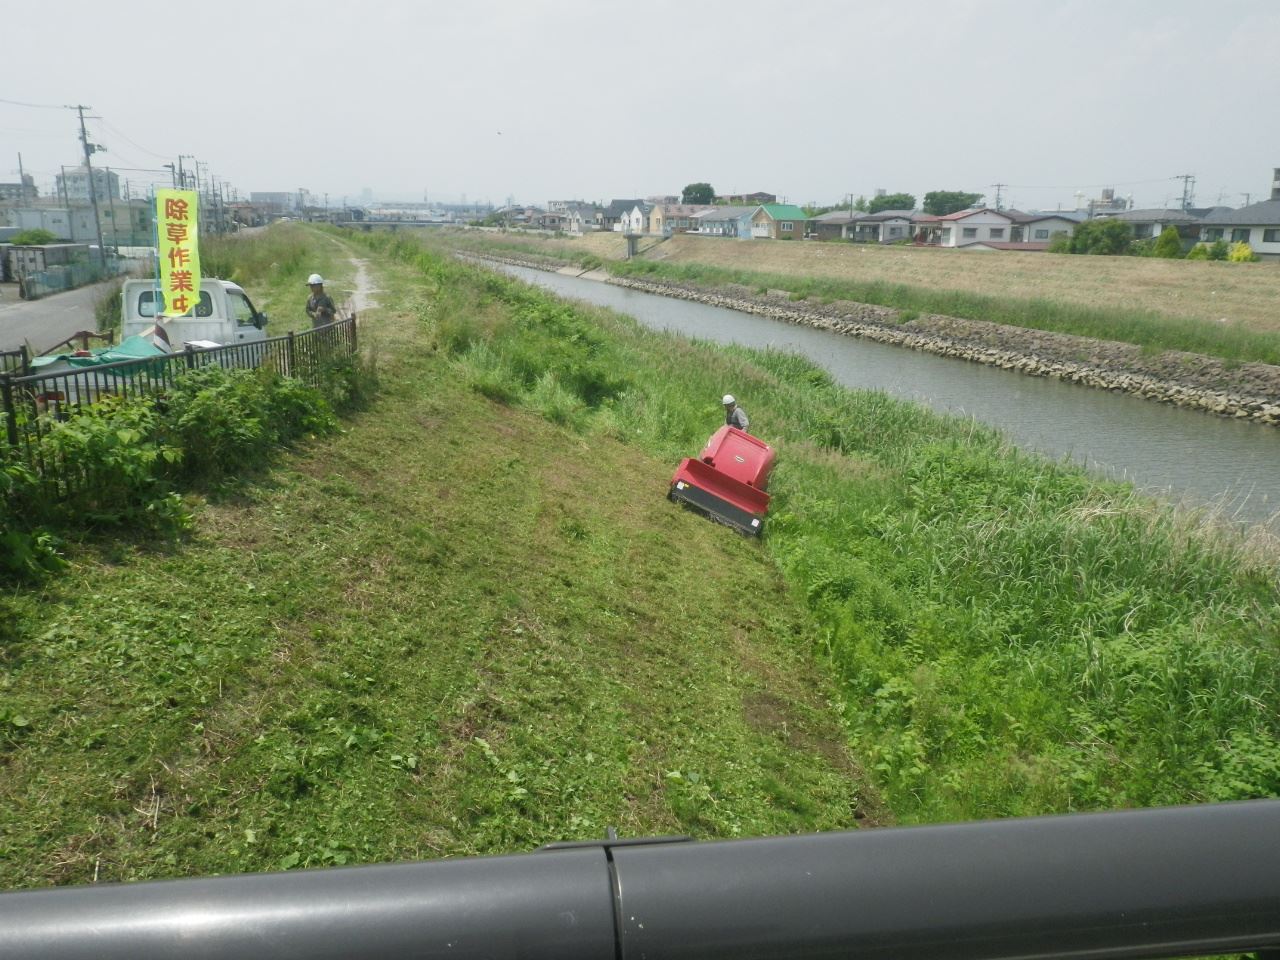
[{"x": 1243, "y": 294}]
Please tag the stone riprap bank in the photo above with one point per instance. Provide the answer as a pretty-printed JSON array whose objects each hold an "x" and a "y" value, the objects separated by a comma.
[{"x": 1249, "y": 391}]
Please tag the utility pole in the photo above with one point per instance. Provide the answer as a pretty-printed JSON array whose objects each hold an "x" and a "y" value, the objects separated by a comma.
[
  {"x": 22, "y": 179},
  {"x": 89, "y": 149},
  {"x": 111, "y": 203},
  {"x": 1188, "y": 188},
  {"x": 173, "y": 174},
  {"x": 999, "y": 193},
  {"x": 1247, "y": 198}
]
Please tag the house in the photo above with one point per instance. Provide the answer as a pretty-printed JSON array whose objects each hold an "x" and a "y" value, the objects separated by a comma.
[
  {"x": 836, "y": 225},
  {"x": 887, "y": 226},
  {"x": 1040, "y": 227},
  {"x": 546, "y": 219},
  {"x": 636, "y": 219},
  {"x": 1151, "y": 223},
  {"x": 611, "y": 217},
  {"x": 1257, "y": 225},
  {"x": 965, "y": 227},
  {"x": 749, "y": 199},
  {"x": 669, "y": 218},
  {"x": 778, "y": 221},
  {"x": 724, "y": 222},
  {"x": 580, "y": 217}
]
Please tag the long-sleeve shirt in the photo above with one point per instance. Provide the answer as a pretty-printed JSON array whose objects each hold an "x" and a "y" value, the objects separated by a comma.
[{"x": 737, "y": 417}]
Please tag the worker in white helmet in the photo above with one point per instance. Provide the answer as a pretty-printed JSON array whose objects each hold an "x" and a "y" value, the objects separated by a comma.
[
  {"x": 734, "y": 415},
  {"x": 320, "y": 306}
]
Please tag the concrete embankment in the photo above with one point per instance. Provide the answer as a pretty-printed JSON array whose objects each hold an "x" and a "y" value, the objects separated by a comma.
[{"x": 1248, "y": 391}]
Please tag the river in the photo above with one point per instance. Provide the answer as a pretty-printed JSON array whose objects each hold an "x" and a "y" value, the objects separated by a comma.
[{"x": 1183, "y": 455}]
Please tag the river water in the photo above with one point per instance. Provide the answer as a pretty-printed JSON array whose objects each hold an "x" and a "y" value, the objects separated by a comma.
[{"x": 1183, "y": 455}]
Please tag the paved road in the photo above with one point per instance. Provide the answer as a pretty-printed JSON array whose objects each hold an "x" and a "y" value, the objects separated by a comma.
[{"x": 45, "y": 321}]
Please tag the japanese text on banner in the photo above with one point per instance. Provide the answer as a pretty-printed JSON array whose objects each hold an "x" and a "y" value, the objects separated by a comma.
[{"x": 179, "y": 250}]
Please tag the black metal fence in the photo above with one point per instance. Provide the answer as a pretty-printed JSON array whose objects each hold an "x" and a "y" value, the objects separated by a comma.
[
  {"x": 1184, "y": 881},
  {"x": 33, "y": 403},
  {"x": 14, "y": 362}
]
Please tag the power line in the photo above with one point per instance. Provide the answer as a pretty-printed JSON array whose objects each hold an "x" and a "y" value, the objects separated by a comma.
[
  {"x": 132, "y": 143},
  {"x": 38, "y": 106},
  {"x": 1090, "y": 186}
]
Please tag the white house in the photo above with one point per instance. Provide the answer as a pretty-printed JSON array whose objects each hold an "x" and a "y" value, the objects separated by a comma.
[
  {"x": 969, "y": 226},
  {"x": 1257, "y": 225},
  {"x": 636, "y": 220}
]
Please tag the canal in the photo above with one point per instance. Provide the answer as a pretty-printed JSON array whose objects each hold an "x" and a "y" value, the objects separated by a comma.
[{"x": 1183, "y": 455}]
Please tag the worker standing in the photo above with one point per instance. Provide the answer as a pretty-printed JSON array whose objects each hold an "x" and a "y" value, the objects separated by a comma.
[
  {"x": 320, "y": 306},
  {"x": 734, "y": 415}
]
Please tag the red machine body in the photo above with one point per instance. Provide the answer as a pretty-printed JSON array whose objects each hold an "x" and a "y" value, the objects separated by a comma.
[{"x": 727, "y": 481}]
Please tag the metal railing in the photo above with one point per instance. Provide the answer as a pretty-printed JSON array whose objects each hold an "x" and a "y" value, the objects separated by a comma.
[
  {"x": 1148, "y": 883},
  {"x": 14, "y": 362},
  {"x": 34, "y": 402}
]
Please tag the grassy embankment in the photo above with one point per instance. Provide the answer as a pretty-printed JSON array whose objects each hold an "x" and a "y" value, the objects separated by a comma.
[
  {"x": 454, "y": 628},
  {"x": 1155, "y": 304},
  {"x": 1013, "y": 636},
  {"x": 472, "y": 623}
]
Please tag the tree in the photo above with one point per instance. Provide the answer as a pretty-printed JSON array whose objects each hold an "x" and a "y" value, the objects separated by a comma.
[
  {"x": 941, "y": 202},
  {"x": 698, "y": 193},
  {"x": 892, "y": 201},
  {"x": 33, "y": 238},
  {"x": 1106, "y": 237},
  {"x": 861, "y": 205},
  {"x": 1168, "y": 244}
]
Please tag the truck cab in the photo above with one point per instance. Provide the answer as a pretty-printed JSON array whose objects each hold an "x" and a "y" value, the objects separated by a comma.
[{"x": 224, "y": 314}]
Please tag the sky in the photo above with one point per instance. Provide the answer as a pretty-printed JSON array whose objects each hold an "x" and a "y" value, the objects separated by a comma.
[{"x": 812, "y": 100}]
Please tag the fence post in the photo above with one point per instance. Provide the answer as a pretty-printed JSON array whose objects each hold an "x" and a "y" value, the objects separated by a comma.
[
  {"x": 190, "y": 356},
  {"x": 26, "y": 359},
  {"x": 289, "y": 357},
  {"x": 355, "y": 346},
  {"x": 10, "y": 415}
]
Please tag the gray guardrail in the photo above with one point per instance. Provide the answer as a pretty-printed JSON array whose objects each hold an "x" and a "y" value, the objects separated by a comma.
[{"x": 1150, "y": 883}]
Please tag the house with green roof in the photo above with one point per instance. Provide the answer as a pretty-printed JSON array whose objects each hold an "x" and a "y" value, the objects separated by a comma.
[{"x": 778, "y": 221}]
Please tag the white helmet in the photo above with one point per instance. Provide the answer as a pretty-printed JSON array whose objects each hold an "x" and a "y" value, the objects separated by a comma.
[
  {"x": 728, "y": 399},
  {"x": 314, "y": 278}
]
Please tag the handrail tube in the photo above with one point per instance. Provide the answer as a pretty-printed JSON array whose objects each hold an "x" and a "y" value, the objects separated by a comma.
[{"x": 1148, "y": 883}]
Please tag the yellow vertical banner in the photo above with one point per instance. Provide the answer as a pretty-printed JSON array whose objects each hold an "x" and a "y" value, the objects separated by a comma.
[{"x": 179, "y": 250}]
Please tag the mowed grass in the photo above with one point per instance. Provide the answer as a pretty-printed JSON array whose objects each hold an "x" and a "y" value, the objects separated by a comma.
[
  {"x": 1198, "y": 307},
  {"x": 454, "y": 629}
]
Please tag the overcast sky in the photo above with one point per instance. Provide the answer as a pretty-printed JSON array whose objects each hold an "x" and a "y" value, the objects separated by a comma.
[{"x": 561, "y": 99}]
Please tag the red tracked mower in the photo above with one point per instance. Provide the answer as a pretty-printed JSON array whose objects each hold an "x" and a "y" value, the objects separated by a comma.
[{"x": 727, "y": 481}]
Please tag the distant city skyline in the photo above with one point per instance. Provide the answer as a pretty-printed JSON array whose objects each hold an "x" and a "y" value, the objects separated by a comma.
[{"x": 550, "y": 99}]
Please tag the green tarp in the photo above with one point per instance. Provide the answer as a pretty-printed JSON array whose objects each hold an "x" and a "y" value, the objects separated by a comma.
[{"x": 136, "y": 347}]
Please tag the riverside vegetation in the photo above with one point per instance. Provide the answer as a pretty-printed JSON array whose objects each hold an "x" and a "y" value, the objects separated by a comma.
[{"x": 470, "y": 623}]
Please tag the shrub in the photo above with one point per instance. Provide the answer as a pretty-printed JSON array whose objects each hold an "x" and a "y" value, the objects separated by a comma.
[
  {"x": 1242, "y": 253},
  {"x": 33, "y": 238},
  {"x": 225, "y": 422},
  {"x": 114, "y": 462},
  {"x": 1199, "y": 252},
  {"x": 1218, "y": 250},
  {"x": 1168, "y": 245}
]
